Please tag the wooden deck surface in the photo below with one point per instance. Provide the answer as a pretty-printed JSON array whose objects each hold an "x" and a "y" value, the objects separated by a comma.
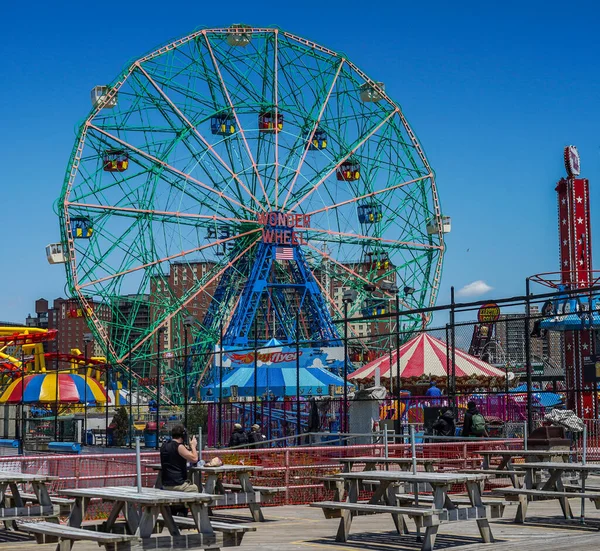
[{"x": 302, "y": 528}]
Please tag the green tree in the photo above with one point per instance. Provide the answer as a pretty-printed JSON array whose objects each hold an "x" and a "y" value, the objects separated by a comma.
[
  {"x": 197, "y": 417},
  {"x": 120, "y": 424}
]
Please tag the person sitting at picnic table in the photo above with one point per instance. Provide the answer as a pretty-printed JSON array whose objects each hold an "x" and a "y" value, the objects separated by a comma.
[
  {"x": 474, "y": 423},
  {"x": 238, "y": 436},
  {"x": 256, "y": 438},
  {"x": 444, "y": 424},
  {"x": 174, "y": 457}
]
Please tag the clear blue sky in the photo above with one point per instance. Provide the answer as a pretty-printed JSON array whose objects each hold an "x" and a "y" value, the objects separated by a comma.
[{"x": 493, "y": 92}]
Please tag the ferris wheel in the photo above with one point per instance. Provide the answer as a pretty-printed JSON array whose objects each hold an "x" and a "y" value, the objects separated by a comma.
[{"x": 239, "y": 174}]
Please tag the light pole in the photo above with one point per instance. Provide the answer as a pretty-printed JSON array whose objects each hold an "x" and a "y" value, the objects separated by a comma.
[
  {"x": 298, "y": 428},
  {"x": 159, "y": 334},
  {"x": 528, "y": 355},
  {"x": 130, "y": 393},
  {"x": 348, "y": 298},
  {"x": 87, "y": 339},
  {"x": 187, "y": 323}
]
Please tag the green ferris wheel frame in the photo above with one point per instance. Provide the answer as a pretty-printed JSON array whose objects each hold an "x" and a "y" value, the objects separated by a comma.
[{"x": 192, "y": 143}]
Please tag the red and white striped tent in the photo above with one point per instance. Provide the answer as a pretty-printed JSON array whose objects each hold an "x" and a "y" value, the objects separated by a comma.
[{"x": 426, "y": 355}]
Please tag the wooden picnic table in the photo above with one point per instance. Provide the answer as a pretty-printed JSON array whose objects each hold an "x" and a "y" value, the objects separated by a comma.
[
  {"x": 371, "y": 462},
  {"x": 440, "y": 509},
  {"x": 226, "y": 494},
  {"x": 538, "y": 488},
  {"x": 507, "y": 456},
  {"x": 142, "y": 510},
  {"x": 43, "y": 509}
]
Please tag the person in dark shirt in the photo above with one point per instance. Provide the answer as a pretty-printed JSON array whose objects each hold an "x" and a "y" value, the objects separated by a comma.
[
  {"x": 174, "y": 456},
  {"x": 444, "y": 424},
  {"x": 238, "y": 436},
  {"x": 256, "y": 438}
]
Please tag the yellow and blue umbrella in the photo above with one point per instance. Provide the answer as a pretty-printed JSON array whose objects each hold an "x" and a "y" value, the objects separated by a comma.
[{"x": 42, "y": 387}]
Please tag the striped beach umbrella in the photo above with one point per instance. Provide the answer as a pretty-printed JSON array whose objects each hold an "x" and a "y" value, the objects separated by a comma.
[
  {"x": 41, "y": 388},
  {"x": 425, "y": 355}
]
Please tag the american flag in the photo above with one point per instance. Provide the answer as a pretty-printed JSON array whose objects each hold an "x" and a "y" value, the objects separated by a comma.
[{"x": 284, "y": 253}]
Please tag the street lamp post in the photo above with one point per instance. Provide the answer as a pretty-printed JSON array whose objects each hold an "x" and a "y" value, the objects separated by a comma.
[
  {"x": 159, "y": 333},
  {"x": 298, "y": 427},
  {"x": 187, "y": 323},
  {"x": 348, "y": 298},
  {"x": 528, "y": 356},
  {"x": 87, "y": 339},
  {"x": 130, "y": 393}
]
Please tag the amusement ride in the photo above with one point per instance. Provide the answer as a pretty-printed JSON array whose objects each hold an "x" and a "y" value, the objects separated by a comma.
[{"x": 256, "y": 168}]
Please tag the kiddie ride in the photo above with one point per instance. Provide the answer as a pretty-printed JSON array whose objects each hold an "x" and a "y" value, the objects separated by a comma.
[{"x": 571, "y": 309}]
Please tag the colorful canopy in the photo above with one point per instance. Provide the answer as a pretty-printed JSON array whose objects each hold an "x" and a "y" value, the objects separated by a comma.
[
  {"x": 276, "y": 380},
  {"x": 41, "y": 387},
  {"x": 426, "y": 355}
]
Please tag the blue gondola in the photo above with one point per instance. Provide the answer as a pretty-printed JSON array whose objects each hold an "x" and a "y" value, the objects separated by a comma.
[
  {"x": 319, "y": 140},
  {"x": 81, "y": 227},
  {"x": 369, "y": 213},
  {"x": 374, "y": 307},
  {"x": 222, "y": 124}
]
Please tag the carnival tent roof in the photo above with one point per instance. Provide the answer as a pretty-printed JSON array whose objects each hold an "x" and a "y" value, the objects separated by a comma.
[
  {"x": 276, "y": 379},
  {"x": 426, "y": 355},
  {"x": 42, "y": 387}
]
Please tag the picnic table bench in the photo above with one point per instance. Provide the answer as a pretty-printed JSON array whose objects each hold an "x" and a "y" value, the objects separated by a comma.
[
  {"x": 552, "y": 488},
  {"x": 385, "y": 499},
  {"x": 232, "y": 533},
  {"x": 371, "y": 463},
  {"x": 48, "y": 532},
  {"x": 227, "y": 494},
  {"x": 142, "y": 509},
  {"x": 507, "y": 456},
  {"x": 17, "y": 510},
  {"x": 65, "y": 504}
]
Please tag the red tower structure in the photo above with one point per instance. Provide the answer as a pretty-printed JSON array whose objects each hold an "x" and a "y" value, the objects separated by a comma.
[{"x": 575, "y": 267}]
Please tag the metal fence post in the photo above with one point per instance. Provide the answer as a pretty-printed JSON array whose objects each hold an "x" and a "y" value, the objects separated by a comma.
[
  {"x": 528, "y": 355},
  {"x": 453, "y": 350}
]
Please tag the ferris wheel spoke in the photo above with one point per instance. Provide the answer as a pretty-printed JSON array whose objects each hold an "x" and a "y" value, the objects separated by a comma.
[
  {"x": 181, "y": 254},
  {"x": 172, "y": 169},
  {"x": 168, "y": 215},
  {"x": 164, "y": 176},
  {"x": 330, "y": 171},
  {"x": 276, "y": 94},
  {"x": 367, "y": 195},
  {"x": 369, "y": 238},
  {"x": 355, "y": 275},
  {"x": 238, "y": 123},
  {"x": 194, "y": 129},
  {"x": 312, "y": 133},
  {"x": 166, "y": 318},
  {"x": 336, "y": 308}
]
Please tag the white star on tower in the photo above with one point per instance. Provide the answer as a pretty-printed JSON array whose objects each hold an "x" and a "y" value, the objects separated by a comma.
[
  {"x": 580, "y": 220},
  {"x": 579, "y": 199}
]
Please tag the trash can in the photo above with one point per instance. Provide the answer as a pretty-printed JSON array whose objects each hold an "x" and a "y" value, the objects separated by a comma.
[
  {"x": 110, "y": 435},
  {"x": 89, "y": 437},
  {"x": 549, "y": 438},
  {"x": 150, "y": 434}
]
